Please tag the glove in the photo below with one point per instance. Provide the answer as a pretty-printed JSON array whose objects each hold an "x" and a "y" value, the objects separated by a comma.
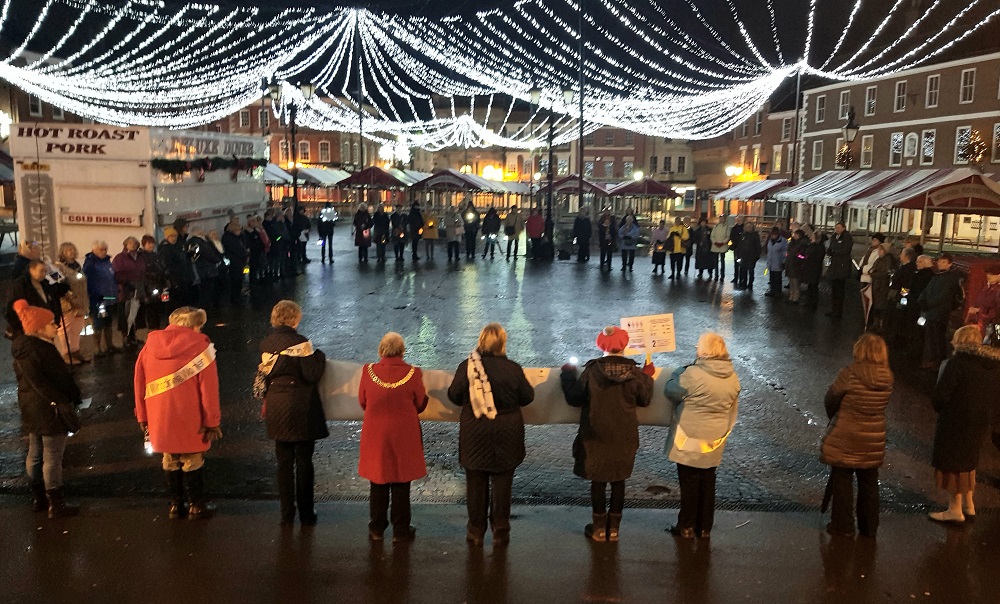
[
  {"x": 145, "y": 429},
  {"x": 649, "y": 369},
  {"x": 210, "y": 434}
]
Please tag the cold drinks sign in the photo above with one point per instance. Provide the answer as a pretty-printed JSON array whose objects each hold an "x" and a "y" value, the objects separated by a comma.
[
  {"x": 78, "y": 141},
  {"x": 129, "y": 220}
]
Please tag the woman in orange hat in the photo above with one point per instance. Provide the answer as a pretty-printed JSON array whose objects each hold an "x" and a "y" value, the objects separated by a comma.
[{"x": 47, "y": 396}]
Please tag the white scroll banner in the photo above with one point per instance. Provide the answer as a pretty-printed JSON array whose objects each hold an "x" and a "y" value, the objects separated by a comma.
[{"x": 339, "y": 392}]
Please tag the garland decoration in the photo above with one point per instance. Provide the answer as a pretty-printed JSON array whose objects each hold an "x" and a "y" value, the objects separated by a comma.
[{"x": 207, "y": 164}]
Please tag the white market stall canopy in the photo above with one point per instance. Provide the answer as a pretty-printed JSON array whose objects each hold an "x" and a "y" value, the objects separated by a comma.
[
  {"x": 950, "y": 189},
  {"x": 454, "y": 180},
  {"x": 322, "y": 177},
  {"x": 274, "y": 175},
  {"x": 752, "y": 189}
]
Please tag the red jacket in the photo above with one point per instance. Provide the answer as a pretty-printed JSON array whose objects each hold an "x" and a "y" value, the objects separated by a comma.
[
  {"x": 176, "y": 416},
  {"x": 534, "y": 226},
  {"x": 392, "y": 448}
]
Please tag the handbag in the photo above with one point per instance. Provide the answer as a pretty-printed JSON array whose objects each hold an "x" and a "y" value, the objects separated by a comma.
[
  {"x": 64, "y": 412},
  {"x": 509, "y": 231}
]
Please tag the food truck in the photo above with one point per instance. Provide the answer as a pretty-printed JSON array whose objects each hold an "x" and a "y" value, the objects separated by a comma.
[{"x": 87, "y": 182}]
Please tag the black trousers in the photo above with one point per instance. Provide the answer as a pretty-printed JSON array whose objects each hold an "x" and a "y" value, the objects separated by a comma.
[
  {"x": 514, "y": 241},
  {"x": 722, "y": 263},
  {"x": 697, "y": 498},
  {"x": 745, "y": 272},
  {"x": 687, "y": 261},
  {"x": 775, "y": 281},
  {"x": 676, "y": 263},
  {"x": 295, "y": 479},
  {"x": 935, "y": 341},
  {"x": 400, "y": 249},
  {"x": 453, "y": 250},
  {"x": 326, "y": 251},
  {"x": 536, "y": 247},
  {"x": 607, "y": 253},
  {"x": 235, "y": 283},
  {"x": 379, "y": 252},
  {"x": 842, "y": 490},
  {"x": 378, "y": 506},
  {"x": 415, "y": 241},
  {"x": 486, "y": 503},
  {"x": 470, "y": 244},
  {"x": 257, "y": 261},
  {"x": 628, "y": 258},
  {"x": 583, "y": 253},
  {"x": 598, "y": 494},
  {"x": 837, "y": 287}
]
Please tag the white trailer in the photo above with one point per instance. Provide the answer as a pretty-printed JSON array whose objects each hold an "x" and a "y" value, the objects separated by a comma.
[{"x": 86, "y": 182}]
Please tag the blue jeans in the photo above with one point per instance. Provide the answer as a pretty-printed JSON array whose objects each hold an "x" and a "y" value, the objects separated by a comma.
[{"x": 45, "y": 457}]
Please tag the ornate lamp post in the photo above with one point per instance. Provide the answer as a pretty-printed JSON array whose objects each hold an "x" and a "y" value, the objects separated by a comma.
[
  {"x": 536, "y": 97},
  {"x": 850, "y": 133},
  {"x": 307, "y": 90}
]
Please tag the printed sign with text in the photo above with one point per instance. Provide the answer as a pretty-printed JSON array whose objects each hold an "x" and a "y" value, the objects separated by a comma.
[{"x": 649, "y": 334}]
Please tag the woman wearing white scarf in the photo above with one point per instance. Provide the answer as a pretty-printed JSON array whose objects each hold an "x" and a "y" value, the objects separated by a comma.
[{"x": 491, "y": 389}]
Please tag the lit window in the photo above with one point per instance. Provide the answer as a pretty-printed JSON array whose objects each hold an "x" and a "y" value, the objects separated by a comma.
[
  {"x": 755, "y": 166},
  {"x": 776, "y": 154},
  {"x": 927, "y": 147},
  {"x": 962, "y": 136},
  {"x": 996, "y": 143},
  {"x": 896, "y": 149},
  {"x": 283, "y": 152},
  {"x": 867, "y": 150}
]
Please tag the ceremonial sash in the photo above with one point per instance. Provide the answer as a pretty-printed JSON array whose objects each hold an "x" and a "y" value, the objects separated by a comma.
[
  {"x": 268, "y": 359},
  {"x": 683, "y": 442},
  {"x": 193, "y": 368}
]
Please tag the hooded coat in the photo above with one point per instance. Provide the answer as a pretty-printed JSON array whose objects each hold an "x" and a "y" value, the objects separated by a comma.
[
  {"x": 777, "y": 249},
  {"x": 293, "y": 409},
  {"x": 492, "y": 445},
  {"x": 855, "y": 404},
  {"x": 177, "y": 416},
  {"x": 100, "y": 278},
  {"x": 795, "y": 257},
  {"x": 609, "y": 390},
  {"x": 42, "y": 378},
  {"x": 706, "y": 397},
  {"x": 965, "y": 398},
  {"x": 392, "y": 448}
]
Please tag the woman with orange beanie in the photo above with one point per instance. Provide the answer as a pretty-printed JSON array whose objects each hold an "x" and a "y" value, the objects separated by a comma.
[
  {"x": 47, "y": 396},
  {"x": 609, "y": 390}
]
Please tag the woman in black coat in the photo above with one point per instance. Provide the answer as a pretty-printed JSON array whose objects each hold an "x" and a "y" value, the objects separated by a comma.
[
  {"x": 812, "y": 268},
  {"x": 27, "y": 286},
  {"x": 43, "y": 380},
  {"x": 491, "y": 431},
  {"x": 609, "y": 390},
  {"x": 965, "y": 399},
  {"x": 293, "y": 409},
  {"x": 747, "y": 254},
  {"x": 362, "y": 232}
]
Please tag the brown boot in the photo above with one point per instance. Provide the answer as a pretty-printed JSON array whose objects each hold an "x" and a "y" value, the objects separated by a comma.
[
  {"x": 598, "y": 530},
  {"x": 58, "y": 508},
  {"x": 614, "y": 522}
]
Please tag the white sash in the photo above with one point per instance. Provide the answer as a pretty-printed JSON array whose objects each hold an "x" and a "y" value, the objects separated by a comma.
[{"x": 193, "y": 368}]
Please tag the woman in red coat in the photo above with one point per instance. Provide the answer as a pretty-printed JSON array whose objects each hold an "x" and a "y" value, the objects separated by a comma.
[
  {"x": 177, "y": 405},
  {"x": 392, "y": 395}
]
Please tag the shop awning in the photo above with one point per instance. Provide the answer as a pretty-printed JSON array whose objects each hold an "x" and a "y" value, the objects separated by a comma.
[
  {"x": 945, "y": 190},
  {"x": 374, "y": 177},
  {"x": 571, "y": 184},
  {"x": 752, "y": 189},
  {"x": 454, "y": 180},
  {"x": 409, "y": 177},
  {"x": 274, "y": 175},
  {"x": 323, "y": 177},
  {"x": 841, "y": 186},
  {"x": 647, "y": 187}
]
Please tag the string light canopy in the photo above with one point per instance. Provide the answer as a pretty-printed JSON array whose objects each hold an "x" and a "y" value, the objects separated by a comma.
[{"x": 684, "y": 69}]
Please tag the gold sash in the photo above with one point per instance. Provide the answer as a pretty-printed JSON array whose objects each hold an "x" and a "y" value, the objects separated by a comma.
[{"x": 193, "y": 368}]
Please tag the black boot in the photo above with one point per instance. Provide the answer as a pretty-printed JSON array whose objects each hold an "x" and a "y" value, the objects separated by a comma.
[
  {"x": 58, "y": 508},
  {"x": 194, "y": 484},
  {"x": 39, "y": 502},
  {"x": 598, "y": 530},
  {"x": 175, "y": 486},
  {"x": 614, "y": 522}
]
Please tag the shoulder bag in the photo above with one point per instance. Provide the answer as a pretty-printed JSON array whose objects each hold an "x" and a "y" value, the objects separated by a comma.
[{"x": 64, "y": 412}]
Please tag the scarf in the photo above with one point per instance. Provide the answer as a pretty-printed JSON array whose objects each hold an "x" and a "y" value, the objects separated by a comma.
[{"x": 480, "y": 391}]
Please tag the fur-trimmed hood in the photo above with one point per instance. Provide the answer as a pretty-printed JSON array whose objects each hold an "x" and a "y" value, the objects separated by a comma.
[{"x": 979, "y": 350}]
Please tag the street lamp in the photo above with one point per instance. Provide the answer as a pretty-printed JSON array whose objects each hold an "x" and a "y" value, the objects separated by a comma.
[
  {"x": 536, "y": 97},
  {"x": 307, "y": 90},
  {"x": 850, "y": 132},
  {"x": 638, "y": 175},
  {"x": 732, "y": 172}
]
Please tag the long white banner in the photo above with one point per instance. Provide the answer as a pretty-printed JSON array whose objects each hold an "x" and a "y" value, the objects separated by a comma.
[{"x": 339, "y": 391}]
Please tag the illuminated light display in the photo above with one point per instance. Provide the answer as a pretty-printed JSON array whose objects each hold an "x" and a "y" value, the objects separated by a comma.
[{"x": 680, "y": 71}]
